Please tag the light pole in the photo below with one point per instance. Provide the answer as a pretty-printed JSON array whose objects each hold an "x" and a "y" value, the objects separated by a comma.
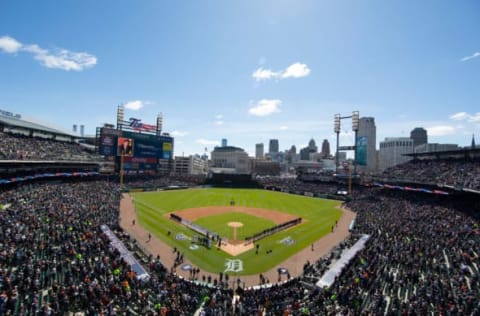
[{"x": 336, "y": 128}]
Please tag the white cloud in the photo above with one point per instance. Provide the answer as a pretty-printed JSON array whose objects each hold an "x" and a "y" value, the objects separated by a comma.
[
  {"x": 59, "y": 59},
  {"x": 440, "y": 130},
  {"x": 265, "y": 107},
  {"x": 62, "y": 59},
  {"x": 283, "y": 128},
  {"x": 134, "y": 105},
  {"x": 296, "y": 70},
  {"x": 459, "y": 116},
  {"x": 219, "y": 123},
  {"x": 475, "y": 55},
  {"x": 9, "y": 45},
  {"x": 264, "y": 74},
  {"x": 204, "y": 141},
  {"x": 475, "y": 117},
  {"x": 464, "y": 116},
  {"x": 219, "y": 116},
  {"x": 178, "y": 134}
]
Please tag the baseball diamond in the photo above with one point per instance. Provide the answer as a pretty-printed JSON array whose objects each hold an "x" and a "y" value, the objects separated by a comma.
[{"x": 257, "y": 210}]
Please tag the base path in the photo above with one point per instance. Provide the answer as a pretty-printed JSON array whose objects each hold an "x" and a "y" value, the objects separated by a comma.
[{"x": 294, "y": 264}]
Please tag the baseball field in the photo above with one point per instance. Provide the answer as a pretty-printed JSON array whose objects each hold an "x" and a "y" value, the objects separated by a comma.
[{"x": 235, "y": 214}]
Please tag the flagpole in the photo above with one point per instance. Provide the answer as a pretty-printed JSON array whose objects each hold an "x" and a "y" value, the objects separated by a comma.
[
  {"x": 121, "y": 171},
  {"x": 350, "y": 178}
]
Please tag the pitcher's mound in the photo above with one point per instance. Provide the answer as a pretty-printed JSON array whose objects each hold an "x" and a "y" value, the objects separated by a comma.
[{"x": 235, "y": 224}]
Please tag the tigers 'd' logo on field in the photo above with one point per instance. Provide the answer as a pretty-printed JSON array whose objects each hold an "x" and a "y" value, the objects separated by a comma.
[{"x": 233, "y": 265}]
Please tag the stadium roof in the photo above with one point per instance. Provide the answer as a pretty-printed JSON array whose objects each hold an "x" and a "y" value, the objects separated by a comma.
[
  {"x": 15, "y": 122},
  {"x": 462, "y": 152}
]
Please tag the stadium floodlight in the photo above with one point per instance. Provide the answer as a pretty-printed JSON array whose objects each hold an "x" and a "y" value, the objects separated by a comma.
[
  {"x": 159, "y": 123},
  {"x": 336, "y": 126},
  {"x": 355, "y": 121},
  {"x": 120, "y": 112}
]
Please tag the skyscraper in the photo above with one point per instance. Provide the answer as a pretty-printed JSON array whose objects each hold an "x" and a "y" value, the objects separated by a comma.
[
  {"x": 312, "y": 146},
  {"x": 325, "y": 148},
  {"x": 224, "y": 142},
  {"x": 293, "y": 149},
  {"x": 419, "y": 136},
  {"x": 366, "y": 144},
  {"x": 273, "y": 146},
  {"x": 392, "y": 151},
  {"x": 307, "y": 151},
  {"x": 259, "y": 151}
]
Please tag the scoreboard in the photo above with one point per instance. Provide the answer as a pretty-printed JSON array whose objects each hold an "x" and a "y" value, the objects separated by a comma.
[{"x": 139, "y": 151}]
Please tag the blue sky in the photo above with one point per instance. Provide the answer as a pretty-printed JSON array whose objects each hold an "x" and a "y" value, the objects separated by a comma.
[{"x": 247, "y": 71}]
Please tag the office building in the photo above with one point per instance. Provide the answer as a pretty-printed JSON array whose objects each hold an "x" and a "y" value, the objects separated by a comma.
[
  {"x": 259, "y": 151},
  {"x": 419, "y": 136},
  {"x": 230, "y": 157},
  {"x": 273, "y": 146},
  {"x": 392, "y": 151},
  {"x": 306, "y": 152},
  {"x": 194, "y": 164},
  {"x": 325, "y": 148},
  {"x": 224, "y": 142}
]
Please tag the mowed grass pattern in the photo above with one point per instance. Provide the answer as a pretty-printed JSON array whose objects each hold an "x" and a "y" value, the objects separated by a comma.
[{"x": 319, "y": 215}]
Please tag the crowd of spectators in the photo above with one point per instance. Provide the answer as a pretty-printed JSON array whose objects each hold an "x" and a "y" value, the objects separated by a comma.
[
  {"x": 54, "y": 258},
  {"x": 20, "y": 147},
  {"x": 464, "y": 173},
  {"x": 156, "y": 182},
  {"x": 423, "y": 257},
  {"x": 295, "y": 186}
]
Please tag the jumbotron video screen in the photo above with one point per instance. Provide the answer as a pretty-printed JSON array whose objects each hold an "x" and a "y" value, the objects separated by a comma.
[{"x": 138, "y": 151}]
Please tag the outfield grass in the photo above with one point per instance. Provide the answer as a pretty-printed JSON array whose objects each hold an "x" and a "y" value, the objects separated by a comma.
[
  {"x": 219, "y": 224},
  {"x": 318, "y": 215}
]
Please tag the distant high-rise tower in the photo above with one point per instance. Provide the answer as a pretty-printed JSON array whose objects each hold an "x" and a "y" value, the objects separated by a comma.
[
  {"x": 312, "y": 146},
  {"x": 224, "y": 142},
  {"x": 325, "y": 148},
  {"x": 367, "y": 142},
  {"x": 419, "y": 136},
  {"x": 473, "y": 142},
  {"x": 82, "y": 130},
  {"x": 293, "y": 149},
  {"x": 74, "y": 128},
  {"x": 305, "y": 153},
  {"x": 273, "y": 146},
  {"x": 259, "y": 151}
]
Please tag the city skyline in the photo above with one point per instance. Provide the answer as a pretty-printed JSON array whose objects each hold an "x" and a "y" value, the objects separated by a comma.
[{"x": 245, "y": 71}]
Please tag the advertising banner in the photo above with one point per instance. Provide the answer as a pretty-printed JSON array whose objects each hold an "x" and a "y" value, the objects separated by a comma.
[{"x": 361, "y": 150}]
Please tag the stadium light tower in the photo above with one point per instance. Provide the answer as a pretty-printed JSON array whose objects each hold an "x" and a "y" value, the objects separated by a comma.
[
  {"x": 120, "y": 112},
  {"x": 355, "y": 127},
  {"x": 336, "y": 128},
  {"x": 159, "y": 124}
]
